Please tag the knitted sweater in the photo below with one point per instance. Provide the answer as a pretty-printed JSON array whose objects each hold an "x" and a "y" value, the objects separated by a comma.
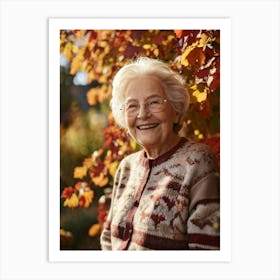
[{"x": 169, "y": 203}]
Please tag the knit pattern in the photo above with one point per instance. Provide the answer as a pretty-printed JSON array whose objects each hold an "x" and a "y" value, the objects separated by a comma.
[{"x": 170, "y": 203}]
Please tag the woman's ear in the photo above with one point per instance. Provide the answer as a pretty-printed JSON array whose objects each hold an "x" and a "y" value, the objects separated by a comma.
[
  {"x": 177, "y": 118},
  {"x": 177, "y": 123}
]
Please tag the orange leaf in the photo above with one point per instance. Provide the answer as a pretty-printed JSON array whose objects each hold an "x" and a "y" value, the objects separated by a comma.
[
  {"x": 178, "y": 33},
  {"x": 100, "y": 180},
  {"x": 94, "y": 230},
  {"x": 196, "y": 56}
]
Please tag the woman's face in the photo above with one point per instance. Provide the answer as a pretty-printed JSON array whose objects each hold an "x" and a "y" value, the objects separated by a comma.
[{"x": 152, "y": 130}]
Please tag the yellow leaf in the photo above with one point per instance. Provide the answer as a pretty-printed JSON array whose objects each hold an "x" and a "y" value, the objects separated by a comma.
[
  {"x": 103, "y": 44},
  {"x": 123, "y": 149},
  {"x": 203, "y": 40},
  {"x": 102, "y": 79},
  {"x": 68, "y": 51},
  {"x": 65, "y": 233},
  {"x": 200, "y": 96},
  {"x": 170, "y": 37},
  {"x": 194, "y": 87},
  {"x": 92, "y": 96},
  {"x": 200, "y": 136},
  {"x": 146, "y": 46},
  {"x": 91, "y": 76},
  {"x": 184, "y": 60},
  {"x": 156, "y": 52},
  {"x": 80, "y": 172},
  {"x": 88, "y": 195},
  {"x": 75, "y": 66},
  {"x": 101, "y": 180},
  {"x": 133, "y": 144},
  {"x": 113, "y": 167},
  {"x": 107, "y": 49},
  {"x": 72, "y": 202},
  {"x": 88, "y": 162},
  {"x": 75, "y": 49}
]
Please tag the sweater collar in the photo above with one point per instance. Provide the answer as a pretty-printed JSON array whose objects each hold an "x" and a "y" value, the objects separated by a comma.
[{"x": 162, "y": 158}]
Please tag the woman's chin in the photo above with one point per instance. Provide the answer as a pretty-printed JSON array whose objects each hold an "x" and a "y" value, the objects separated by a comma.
[{"x": 147, "y": 141}]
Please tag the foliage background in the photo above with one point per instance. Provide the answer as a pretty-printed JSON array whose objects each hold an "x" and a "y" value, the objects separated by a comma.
[{"x": 91, "y": 145}]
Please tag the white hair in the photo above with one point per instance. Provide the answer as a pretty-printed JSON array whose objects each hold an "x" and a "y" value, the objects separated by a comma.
[{"x": 173, "y": 83}]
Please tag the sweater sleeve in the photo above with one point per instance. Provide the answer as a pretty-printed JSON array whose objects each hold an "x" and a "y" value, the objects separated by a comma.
[
  {"x": 105, "y": 237},
  {"x": 204, "y": 208}
]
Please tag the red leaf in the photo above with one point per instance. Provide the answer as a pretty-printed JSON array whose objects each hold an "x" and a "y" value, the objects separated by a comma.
[
  {"x": 67, "y": 192},
  {"x": 196, "y": 56},
  {"x": 215, "y": 83},
  {"x": 192, "y": 35},
  {"x": 132, "y": 51},
  {"x": 202, "y": 73},
  {"x": 93, "y": 35}
]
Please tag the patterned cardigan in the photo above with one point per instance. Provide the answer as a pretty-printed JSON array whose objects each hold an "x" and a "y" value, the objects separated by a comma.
[{"x": 169, "y": 203}]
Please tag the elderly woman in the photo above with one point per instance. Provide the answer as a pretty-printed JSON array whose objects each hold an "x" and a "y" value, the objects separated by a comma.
[{"x": 166, "y": 196}]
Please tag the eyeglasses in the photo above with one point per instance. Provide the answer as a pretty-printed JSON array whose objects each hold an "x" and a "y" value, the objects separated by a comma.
[{"x": 153, "y": 104}]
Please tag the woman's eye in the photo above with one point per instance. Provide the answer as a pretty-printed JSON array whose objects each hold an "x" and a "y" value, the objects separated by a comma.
[
  {"x": 131, "y": 106},
  {"x": 154, "y": 102}
]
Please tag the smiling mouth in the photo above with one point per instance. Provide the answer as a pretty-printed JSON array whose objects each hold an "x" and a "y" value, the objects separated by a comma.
[{"x": 147, "y": 126}]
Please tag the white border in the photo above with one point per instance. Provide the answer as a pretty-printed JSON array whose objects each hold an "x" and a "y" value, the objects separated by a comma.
[
  {"x": 55, "y": 25},
  {"x": 255, "y": 139}
]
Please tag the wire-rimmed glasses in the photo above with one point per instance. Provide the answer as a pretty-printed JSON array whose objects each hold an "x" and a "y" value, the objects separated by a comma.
[{"x": 154, "y": 104}]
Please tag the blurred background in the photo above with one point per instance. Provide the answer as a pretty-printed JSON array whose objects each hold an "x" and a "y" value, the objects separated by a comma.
[{"x": 91, "y": 145}]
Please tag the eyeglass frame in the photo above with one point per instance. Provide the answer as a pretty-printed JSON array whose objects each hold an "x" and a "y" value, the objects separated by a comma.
[{"x": 146, "y": 104}]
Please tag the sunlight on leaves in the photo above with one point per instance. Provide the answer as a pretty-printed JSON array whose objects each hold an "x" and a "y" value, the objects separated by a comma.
[{"x": 94, "y": 56}]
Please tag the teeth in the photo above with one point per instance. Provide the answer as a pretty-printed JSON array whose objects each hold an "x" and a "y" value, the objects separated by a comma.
[{"x": 147, "y": 126}]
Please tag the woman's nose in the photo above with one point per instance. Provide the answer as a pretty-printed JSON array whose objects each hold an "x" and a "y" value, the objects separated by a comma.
[{"x": 143, "y": 112}]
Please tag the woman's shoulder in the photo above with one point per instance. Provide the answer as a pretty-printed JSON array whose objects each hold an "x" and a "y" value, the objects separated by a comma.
[
  {"x": 131, "y": 158},
  {"x": 196, "y": 147},
  {"x": 197, "y": 152}
]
